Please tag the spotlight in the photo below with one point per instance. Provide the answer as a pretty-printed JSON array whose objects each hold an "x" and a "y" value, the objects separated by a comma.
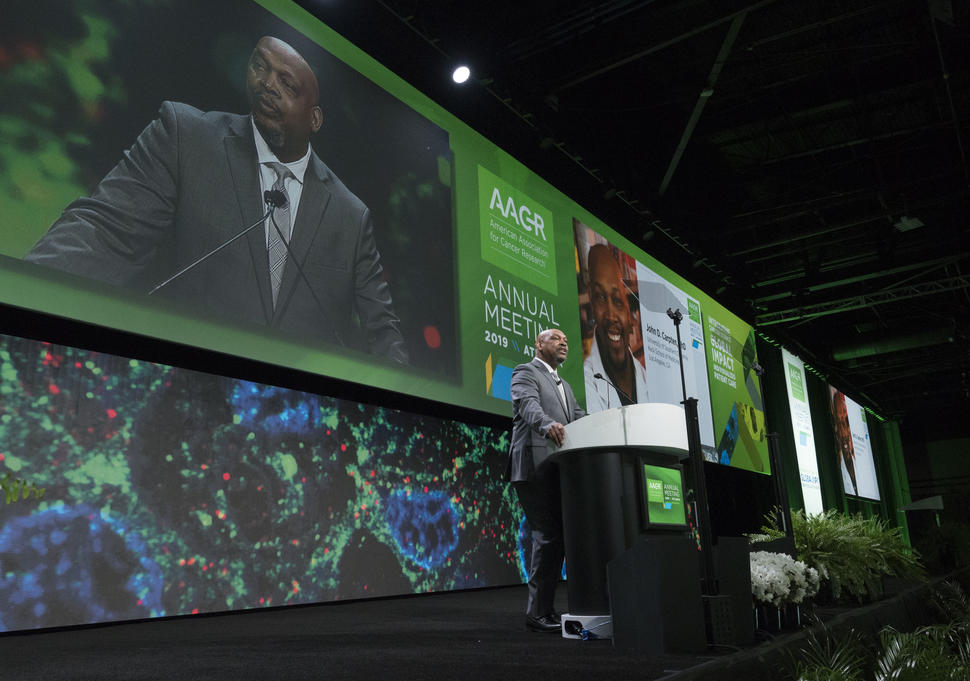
[{"x": 461, "y": 74}]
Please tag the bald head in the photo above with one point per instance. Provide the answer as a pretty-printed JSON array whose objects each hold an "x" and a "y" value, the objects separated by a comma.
[
  {"x": 551, "y": 347},
  {"x": 283, "y": 96}
]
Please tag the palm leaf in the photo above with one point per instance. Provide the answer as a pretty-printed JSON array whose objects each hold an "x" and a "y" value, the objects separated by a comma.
[
  {"x": 912, "y": 656},
  {"x": 827, "y": 658}
]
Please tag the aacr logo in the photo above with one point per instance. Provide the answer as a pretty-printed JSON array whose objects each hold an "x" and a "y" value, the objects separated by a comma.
[
  {"x": 518, "y": 233},
  {"x": 795, "y": 378},
  {"x": 523, "y": 216}
]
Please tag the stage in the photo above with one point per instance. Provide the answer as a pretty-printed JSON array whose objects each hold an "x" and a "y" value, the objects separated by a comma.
[{"x": 460, "y": 635}]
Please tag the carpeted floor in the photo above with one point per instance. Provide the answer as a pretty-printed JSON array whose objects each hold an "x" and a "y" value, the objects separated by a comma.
[
  {"x": 467, "y": 635},
  {"x": 461, "y": 636}
]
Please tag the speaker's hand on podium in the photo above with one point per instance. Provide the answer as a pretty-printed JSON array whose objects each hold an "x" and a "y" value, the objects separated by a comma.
[{"x": 556, "y": 433}]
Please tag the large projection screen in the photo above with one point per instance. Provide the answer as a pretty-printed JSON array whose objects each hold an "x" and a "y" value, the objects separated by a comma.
[
  {"x": 627, "y": 332},
  {"x": 853, "y": 446},
  {"x": 108, "y": 189},
  {"x": 174, "y": 492},
  {"x": 803, "y": 432}
]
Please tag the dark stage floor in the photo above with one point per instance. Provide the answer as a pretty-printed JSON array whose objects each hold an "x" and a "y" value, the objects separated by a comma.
[
  {"x": 467, "y": 635},
  {"x": 462, "y": 636}
]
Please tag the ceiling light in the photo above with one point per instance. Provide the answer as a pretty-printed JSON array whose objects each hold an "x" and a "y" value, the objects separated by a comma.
[{"x": 461, "y": 74}]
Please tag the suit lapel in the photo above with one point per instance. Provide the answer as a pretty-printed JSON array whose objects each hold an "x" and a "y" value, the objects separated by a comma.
[
  {"x": 241, "y": 154},
  {"x": 551, "y": 377},
  {"x": 309, "y": 221}
]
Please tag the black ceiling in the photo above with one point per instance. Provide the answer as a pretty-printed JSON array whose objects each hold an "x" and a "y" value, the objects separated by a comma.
[{"x": 807, "y": 160}]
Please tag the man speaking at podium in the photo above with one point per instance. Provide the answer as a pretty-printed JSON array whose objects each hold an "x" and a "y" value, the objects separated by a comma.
[
  {"x": 541, "y": 404},
  {"x": 190, "y": 183}
]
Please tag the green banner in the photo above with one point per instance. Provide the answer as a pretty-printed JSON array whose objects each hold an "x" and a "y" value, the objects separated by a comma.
[{"x": 739, "y": 419}]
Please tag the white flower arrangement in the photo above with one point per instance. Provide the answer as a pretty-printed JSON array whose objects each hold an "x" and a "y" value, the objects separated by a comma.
[{"x": 777, "y": 578}]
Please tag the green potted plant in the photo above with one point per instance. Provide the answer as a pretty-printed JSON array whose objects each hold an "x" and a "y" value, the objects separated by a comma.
[{"x": 852, "y": 554}]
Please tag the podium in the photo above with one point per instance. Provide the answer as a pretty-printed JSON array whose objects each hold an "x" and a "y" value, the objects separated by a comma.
[{"x": 626, "y": 579}]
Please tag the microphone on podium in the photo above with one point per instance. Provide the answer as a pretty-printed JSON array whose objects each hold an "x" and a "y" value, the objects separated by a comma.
[
  {"x": 619, "y": 392},
  {"x": 275, "y": 198}
]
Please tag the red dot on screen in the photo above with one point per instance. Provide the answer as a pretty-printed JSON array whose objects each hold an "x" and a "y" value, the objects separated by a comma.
[{"x": 432, "y": 337}]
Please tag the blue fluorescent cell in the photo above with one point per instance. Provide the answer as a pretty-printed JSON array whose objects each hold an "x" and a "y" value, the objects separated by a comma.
[{"x": 424, "y": 525}]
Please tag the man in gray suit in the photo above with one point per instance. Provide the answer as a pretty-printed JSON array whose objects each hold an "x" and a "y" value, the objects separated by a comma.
[
  {"x": 541, "y": 403},
  {"x": 194, "y": 179}
]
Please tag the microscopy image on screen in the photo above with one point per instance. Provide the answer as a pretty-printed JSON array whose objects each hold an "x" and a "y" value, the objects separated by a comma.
[{"x": 169, "y": 492}]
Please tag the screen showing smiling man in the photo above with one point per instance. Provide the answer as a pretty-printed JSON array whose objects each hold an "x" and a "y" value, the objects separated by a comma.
[{"x": 610, "y": 351}]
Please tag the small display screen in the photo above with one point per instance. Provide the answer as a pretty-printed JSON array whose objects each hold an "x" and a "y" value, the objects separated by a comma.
[{"x": 663, "y": 495}]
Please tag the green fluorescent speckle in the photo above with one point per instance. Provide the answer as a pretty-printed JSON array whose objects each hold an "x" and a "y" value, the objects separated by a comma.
[
  {"x": 289, "y": 466},
  {"x": 13, "y": 463}
]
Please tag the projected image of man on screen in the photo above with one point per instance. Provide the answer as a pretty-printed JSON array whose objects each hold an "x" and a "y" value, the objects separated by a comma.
[
  {"x": 194, "y": 180},
  {"x": 613, "y": 376},
  {"x": 843, "y": 437}
]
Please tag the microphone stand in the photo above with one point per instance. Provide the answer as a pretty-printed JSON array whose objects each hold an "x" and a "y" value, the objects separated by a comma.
[
  {"x": 215, "y": 250},
  {"x": 620, "y": 393},
  {"x": 698, "y": 481},
  {"x": 274, "y": 199}
]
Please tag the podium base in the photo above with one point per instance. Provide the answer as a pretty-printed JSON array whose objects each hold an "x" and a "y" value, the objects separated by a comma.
[
  {"x": 595, "y": 626},
  {"x": 655, "y": 591}
]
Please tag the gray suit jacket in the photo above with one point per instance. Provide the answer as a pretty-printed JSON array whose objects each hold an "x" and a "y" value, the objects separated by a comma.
[
  {"x": 536, "y": 405},
  {"x": 188, "y": 184}
]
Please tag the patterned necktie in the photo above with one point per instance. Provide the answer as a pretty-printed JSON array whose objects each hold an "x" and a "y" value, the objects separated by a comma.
[
  {"x": 562, "y": 396},
  {"x": 275, "y": 246}
]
